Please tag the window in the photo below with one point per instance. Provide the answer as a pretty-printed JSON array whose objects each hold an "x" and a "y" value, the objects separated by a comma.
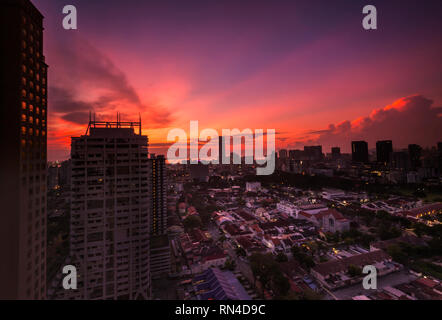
[
  {"x": 23, "y": 105},
  {"x": 23, "y": 93}
]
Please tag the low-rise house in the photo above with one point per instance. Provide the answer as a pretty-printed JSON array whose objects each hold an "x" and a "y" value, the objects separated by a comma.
[{"x": 334, "y": 274}]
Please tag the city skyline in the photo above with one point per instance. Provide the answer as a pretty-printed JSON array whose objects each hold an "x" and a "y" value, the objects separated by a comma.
[{"x": 327, "y": 82}]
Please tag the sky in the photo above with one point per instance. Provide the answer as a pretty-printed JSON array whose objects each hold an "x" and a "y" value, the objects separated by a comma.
[{"x": 304, "y": 68}]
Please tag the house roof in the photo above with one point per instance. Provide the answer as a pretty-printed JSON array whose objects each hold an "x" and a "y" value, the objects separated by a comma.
[{"x": 336, "y": 266}]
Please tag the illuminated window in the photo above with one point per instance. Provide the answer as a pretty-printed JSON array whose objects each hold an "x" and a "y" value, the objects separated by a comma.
[
  {"x": 23, "y": 67},
  {"x": 23, "y": 93},
  {"x": 31, "y": 120},
  {"x": 23, "y": 130},
  {"x": 43, "y": 133},
  {"x": 38, "y": 99},
  {"x": 43, "y": 112},
  {"x": 37, "y": 132},
  {"x": 38, "y": 77},
  {"x": 37, "y": 110},
  {"x": 30, "y": 131},
  {"x": 31, "y": 84},
  {"x": 23, "y": 117},
  {"x": 23, "y": 143},
  {"x": 23, "y": 105},
  {"x": 31, "y": 107},
  {"x": 37, "y": 120},
  {"x": 31, "y": 96},
  {"x": 23, "y": 81}
]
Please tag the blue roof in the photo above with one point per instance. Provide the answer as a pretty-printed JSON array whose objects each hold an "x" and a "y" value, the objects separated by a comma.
[{"x": 219, "y": 285}]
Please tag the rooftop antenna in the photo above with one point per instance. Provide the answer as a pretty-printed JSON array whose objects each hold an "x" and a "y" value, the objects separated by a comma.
[{"x": 139, "y": 118}]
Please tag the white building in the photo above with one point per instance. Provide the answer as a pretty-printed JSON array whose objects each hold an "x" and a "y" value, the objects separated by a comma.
[{"x": 110, "y": 212}]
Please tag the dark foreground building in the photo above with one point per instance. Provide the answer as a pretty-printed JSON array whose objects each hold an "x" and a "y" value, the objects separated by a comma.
[{"x": 23, "y": 162}]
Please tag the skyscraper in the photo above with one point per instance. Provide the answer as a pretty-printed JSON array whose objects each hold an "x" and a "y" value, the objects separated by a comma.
[
  {"x": 159, "y": 244},
  {"x": 110, "y": 212},
  {"x": 359, "y": 151},
  {"x": 383, "y": 151},
  {"x": 158, "y": 195},
  {"x": 23, "y": 164}
]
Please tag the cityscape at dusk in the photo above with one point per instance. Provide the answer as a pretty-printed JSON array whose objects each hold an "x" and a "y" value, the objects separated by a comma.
[
  {"x": 305, "y": 68},
  {"x": 211, "y": 153}
]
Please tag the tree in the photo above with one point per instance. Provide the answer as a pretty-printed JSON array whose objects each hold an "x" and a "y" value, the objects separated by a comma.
[
  {"x": 354, "y": 271},
  {"x": 280, "y": 284},
  {"x": 192, "y": 222},
  {"x": 282, "y": 257}
]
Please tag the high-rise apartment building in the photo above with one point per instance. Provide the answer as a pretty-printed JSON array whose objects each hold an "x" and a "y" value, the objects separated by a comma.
[
  {"x": 23, "y": 163},
  {"x": 359, "y": 151},
  {"x": 158, "y": 212},
  {"x": 110, "y": 211}
]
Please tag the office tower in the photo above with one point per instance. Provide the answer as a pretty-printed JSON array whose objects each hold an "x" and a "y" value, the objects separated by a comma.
[
  {"x": 336, "y": 153},
  {"x": 414, "y": 152},
  {"x": 383, "y": 151},
  {"x": 110, "y": 211},
  {"x": 313, "y": 152},
  {"x": 359, "y": 151},
  {"x": 23, "y": 162},
  {"x": 283, "y": 154}
]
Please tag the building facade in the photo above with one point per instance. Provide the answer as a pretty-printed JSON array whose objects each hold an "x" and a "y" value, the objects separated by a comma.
[
  {"x": 23, "y": 165},
  {"x": 110, "y": 212}
]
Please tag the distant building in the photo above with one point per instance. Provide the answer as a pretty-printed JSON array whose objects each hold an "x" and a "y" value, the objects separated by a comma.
[
  {"x": 253, "y": 186},
  {"x": 333, "y": 221},
  {"x": 383, "y": 150},
  {"x": 336, "y": 153},
  {"x": 159, "y": 256},
  {"x": 359, "y": 151},
  {"x": 313, "y": 152},
  {"x": 157, "y": 192},
  {"x": 283, "y": 154},
  {"x": 53, "y": 175},
  {"x": 400, "y": 160},
  {"x": 414, "y": 151},
  {"x": 199, "y": 172}
]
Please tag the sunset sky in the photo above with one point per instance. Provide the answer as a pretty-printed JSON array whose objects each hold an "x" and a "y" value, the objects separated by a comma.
[{"x": 305, "y": 68}]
